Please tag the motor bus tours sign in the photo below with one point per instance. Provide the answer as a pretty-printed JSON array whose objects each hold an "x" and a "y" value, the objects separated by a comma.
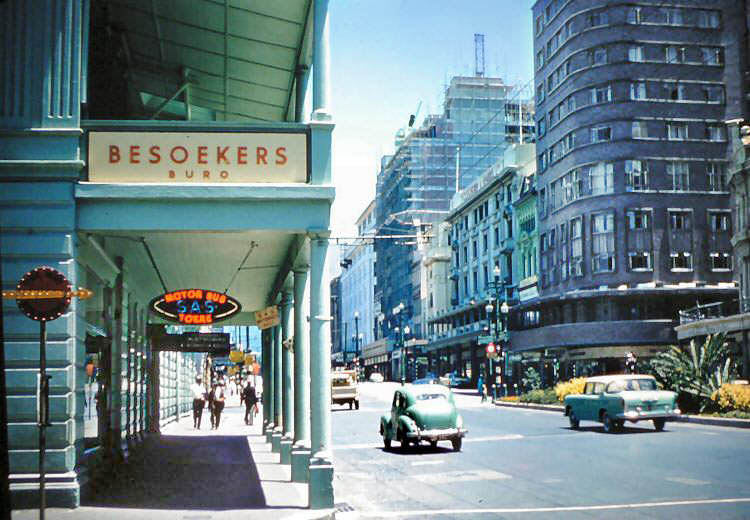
[
  {"x": 195, "y": 306},
  {"x": 197, "y": 157}
]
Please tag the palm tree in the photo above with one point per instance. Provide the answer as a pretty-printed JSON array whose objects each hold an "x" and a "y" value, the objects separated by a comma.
[{"x": 697, "y": 371}]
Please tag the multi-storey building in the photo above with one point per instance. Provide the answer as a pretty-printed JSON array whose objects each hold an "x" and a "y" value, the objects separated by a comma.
[
  {"x": 356, "y": 281},
  {"x": 483, "y": 234},
  {"x": 415, "y": 185},
  {"x": 337, "y": 331},
  {"x": 632, "y": 159}
]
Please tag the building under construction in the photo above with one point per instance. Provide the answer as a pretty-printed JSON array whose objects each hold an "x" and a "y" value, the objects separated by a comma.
[{"x": 447, "y": 152}]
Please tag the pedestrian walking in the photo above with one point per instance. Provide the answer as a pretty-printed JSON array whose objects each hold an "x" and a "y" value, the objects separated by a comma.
[
  {"x": 199, "y": 401},
  {"x": 250, "y": 400},
  {"x": 218, "y": 401}
]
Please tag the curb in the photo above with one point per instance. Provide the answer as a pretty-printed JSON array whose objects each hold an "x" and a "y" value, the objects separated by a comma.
[{"x": 695, "y": 419}]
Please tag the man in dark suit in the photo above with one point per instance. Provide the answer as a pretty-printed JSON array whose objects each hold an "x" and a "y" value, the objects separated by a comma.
[{"x": 251, "y": 400}]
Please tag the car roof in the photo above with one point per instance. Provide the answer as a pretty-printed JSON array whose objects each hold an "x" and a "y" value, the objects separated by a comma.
[
  {"x": 617, "y": 377},
  {"x": 423, "y": 389}
]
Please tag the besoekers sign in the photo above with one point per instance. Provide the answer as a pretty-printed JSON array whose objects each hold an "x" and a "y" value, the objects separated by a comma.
[
  {"x": 197, "y": 157},
  {"x": 195, "y": 306}
]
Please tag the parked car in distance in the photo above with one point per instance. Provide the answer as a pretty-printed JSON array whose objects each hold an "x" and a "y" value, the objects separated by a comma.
[
  {"x": 453, "y": 380},
  {"x": 614, "y": 399},
  {"x": 422, "y": 413},
  {"x": 428, "y": 379},
  {"x": 376, "y": 377},
  {"x": 344, "y": 388}
]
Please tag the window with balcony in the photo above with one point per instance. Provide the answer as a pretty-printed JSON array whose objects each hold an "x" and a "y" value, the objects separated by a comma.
[
  {"x": 708, "y": 19},
  {"x": 638, "y": 219},
  {"x": 716, "y": 176},
  {"x": 716, "y": 132},
  {"x": 639, "y": 261},
  {"x": 601, "y": 133},
  {"x": 675, "y": 54},
  {"x": 639, "y": 129},
  {"x": 635, "y": 53},
  {"x": 576, "y": 247},
  {"x": 721, "y": 261},
  {"x": 681, "y": 261},
  {"x": 679, "y": 173},
  {"x": 634, "y": 15},
  {"x": 713, "y": 94},
  {"x": 719, "y": 221},
  {"x": 601, "y": 94},
  {"x": 603, "y": 242},
  {"x": 710, "y": 55},
  {"x": 677, "y": 131},
  {"x": 680, "y": 220},
  {"x": 638, "y": 90},
  {"x": 601, "y": 178},
  {"x": 673, "y": 16},
  {"x": 675, "y": 91}
]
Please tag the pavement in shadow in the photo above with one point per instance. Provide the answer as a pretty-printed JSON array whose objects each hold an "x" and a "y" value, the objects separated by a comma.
[{"x": 193, "y": 471}]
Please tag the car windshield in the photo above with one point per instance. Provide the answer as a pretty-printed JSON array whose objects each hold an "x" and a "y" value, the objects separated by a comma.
[
  {"x": 631, "y": 385},
  {"x": 341, "y": 381},
  {"x": 428, "y": 397}
]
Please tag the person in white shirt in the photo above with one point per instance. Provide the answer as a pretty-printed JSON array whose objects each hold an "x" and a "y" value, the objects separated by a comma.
[{"x": 199, "y": 400}]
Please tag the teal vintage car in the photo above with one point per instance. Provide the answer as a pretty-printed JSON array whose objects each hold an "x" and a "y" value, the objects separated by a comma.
[
  {"x": 612, "y": 400},
  {"x": 422, "y": 413}
]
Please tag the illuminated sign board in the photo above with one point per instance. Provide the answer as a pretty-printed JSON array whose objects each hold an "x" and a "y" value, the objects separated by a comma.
[
  {"x": 195, "y": 306},
  {"x": 215, "y": 343},
  {"x": 198, "y": 157}
]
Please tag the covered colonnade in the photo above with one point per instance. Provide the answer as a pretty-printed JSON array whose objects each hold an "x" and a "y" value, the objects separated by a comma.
[{"x": 150, "y": 146}]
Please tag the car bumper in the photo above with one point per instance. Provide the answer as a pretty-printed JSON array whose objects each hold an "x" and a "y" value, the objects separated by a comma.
[
  {"x": 645, "y": 415},
  {"x": 437, "y": 435}
]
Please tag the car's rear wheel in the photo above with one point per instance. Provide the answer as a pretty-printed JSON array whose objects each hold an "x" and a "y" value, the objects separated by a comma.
[
  {"x": 404, "y": 440},
  {"x": 609, "y": 424},
  {"x": 356, "y": 405},
  {"x": 350, "y": 405},
  {"x": 456, "y": 444},
  {"x": 573, "y": 418},
  {"x": 386, "y": 442},
  {"x": 659, "y": 424}
]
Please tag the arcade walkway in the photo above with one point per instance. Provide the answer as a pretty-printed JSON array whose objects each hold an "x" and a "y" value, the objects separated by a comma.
[{"x": 201, "y": 475}]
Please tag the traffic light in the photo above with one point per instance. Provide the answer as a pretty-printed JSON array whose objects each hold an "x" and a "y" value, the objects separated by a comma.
[{"x": 491, "y": 350}]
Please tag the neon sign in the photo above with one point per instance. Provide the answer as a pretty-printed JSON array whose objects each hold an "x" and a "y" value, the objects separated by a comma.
[{"x": 195, "y": 306}]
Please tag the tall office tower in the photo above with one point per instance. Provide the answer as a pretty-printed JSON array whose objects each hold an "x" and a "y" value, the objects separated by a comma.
[
  {"x": 481, "y": 117},
  {"x": 631, "y": 100}
]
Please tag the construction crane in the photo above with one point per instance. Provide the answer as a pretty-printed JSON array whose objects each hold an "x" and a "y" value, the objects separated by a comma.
[
  {"x": 479, "y": 55},
  {"x": 413, "y": 117}
]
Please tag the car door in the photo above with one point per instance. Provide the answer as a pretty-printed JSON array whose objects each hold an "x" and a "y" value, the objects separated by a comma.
[{"x": 588, "y": 402}]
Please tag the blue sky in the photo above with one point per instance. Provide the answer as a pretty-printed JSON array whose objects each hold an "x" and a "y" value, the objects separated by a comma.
[{"x": 388, "y": 55}]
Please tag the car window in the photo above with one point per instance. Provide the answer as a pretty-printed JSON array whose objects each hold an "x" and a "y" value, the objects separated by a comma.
[
  {"x": 598, "y": 388},
  {"x": 431, "y": 397},
  {"x": 644, "y": 384},
  {"x": 395, "y": 399},
  {"x": 617, "y": 386},
  {"x": 342, "y": 381},
  {"x": 589, "y": 389}
]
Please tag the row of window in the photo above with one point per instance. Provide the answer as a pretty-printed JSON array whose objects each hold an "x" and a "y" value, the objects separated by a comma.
[
  {"x": 562, "y": 249},
  {"x": 598, "y": 179},
  {"x": 663, "y": 91},
  {"x": 459, "y": 260},
  {"x": 682, "y": 130},
  {"x": 632, "y": 53},
  {"x": 639, "y": 15}
]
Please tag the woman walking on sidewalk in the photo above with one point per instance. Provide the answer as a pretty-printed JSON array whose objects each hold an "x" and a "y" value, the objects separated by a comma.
[{"x": 218, "y": 402}]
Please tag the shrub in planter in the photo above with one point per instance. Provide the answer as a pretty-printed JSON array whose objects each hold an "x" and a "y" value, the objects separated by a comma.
[
  {"x": 573, "y": 386},
  {"x": 732, "y": 397},
  {"x": 541, "y": 396}
]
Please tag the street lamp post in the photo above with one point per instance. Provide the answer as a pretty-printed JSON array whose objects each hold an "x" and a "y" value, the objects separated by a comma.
[
  {"x": 397, "y": 312},
  {"x": 495, "y": 326}
]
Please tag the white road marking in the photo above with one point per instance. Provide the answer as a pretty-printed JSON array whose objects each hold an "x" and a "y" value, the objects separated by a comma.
[
  {"x": 460, "y": 476},
  {"x": 508, "y": 437},
  {"x": 552, "y": 480},
  {"x": 561, "y": 509},
  {"x": 688, "y": 481},
  {"x": 427, "y": 462}
]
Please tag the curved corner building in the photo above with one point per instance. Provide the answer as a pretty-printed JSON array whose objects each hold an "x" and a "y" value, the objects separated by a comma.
[{"x": 631, "y": 99}]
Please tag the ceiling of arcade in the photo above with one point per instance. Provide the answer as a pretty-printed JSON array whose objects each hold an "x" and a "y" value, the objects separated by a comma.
[
  {"x": 196, "y": 59},
  {"x": 245, "y": 264}
]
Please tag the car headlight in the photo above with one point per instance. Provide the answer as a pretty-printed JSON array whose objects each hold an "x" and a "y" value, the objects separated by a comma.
[{"x": 459, "y": 422}]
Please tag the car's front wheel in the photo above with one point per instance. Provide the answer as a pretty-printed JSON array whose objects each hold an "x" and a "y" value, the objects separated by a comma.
[
  {"x": 610, "y": 426},
  {"x": 573, "y": 418},
  {"x": 659, "y": 424},
  {"x": 404, "y": 440},
  {"x": 456, "y": 444}
]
